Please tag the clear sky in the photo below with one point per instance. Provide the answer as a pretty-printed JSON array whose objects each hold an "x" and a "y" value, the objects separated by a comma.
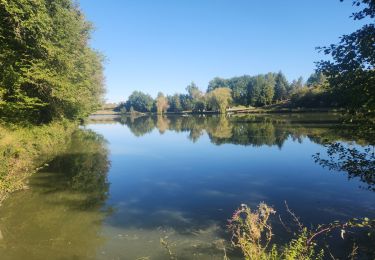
[{"x": 163, "y": 45}]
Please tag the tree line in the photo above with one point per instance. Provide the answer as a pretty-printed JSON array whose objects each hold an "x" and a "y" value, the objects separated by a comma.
[
  {"x": 256, "y": 91},
  {"x": 48, "y": 70}
]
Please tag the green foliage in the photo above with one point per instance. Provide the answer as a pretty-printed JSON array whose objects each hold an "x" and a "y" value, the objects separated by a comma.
[
  {"x": 187, "y": 104},
  {"x": 174, "y": 103},
  {"x": 281, "y": 87},
  {"x": 298, "y": 248},
  {"x": 251, "y": 231},
  {"x": 239, "y": 86},
  {"x": 261, "y": 90},
  {"x": 311, "y": 97},
  {"x": 199, "y": 105},
  {"x": 256, "y": 90},
  {"x": 193, "y": 91},
  {"x": 351, "y": 74},
  {"x": 217, "y": 83},
  {"x": 316, "y": 79},
  {"x": 140, "y": 102},
  {"x": 197, "y": 101},
  {"x": 252, "y": 234},
  {"x": 48, "y": 69},
  {"x": 219, "y": 99}
]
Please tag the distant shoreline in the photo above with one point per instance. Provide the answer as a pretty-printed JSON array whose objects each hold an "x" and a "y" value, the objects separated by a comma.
[{"x": 108, "y": 113}]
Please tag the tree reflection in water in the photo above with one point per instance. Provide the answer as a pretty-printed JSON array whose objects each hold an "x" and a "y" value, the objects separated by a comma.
[
  {"x": 255, "y": 130},
  {"x": 358, "y": 164},
  {"x": 84, "y": 168},
  {"x": 61, "y": 216}
]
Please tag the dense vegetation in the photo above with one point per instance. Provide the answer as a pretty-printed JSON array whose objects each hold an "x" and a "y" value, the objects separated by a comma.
[
  {"x": 255, "y": 91},
  {"x": 48, "y": 70}
]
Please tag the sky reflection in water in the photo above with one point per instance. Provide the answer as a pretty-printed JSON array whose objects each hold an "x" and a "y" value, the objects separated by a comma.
[{"x": 177, "y": 178}]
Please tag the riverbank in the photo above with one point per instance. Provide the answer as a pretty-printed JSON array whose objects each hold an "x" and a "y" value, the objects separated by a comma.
[
  {"x": 24, "y": 150},
  {"x": 111, "y": 113}
]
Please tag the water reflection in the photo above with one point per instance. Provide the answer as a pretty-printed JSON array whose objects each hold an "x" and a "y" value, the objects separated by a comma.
[
  {"x": 257, "y": 131},
  {"x": 254, "y": 130},
  {"x": 58, "y": 218},
  {"x": 83, "y": 168},
  {"x": 177, "y": 178},
  {"x": 357, "y": 163}
]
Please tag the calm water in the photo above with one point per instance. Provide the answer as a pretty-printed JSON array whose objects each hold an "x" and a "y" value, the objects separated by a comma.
[{"x": 121, "y": 186}]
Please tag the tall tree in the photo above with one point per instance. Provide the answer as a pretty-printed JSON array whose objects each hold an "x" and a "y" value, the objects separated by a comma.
[
  {"x": 351, "y": 73},
  {"x": 174, "y": 103},
  {"x": 281, "y": 87},
  {"x": 217, "y": 83},
  {"x": 261, "y": 89},
  {"x": 193, "y": 91},
  {"x": 239, "y": 85},
  {"x": 268, "y": 89},
  {"x": 161, "y": 103},
  {"x": 186, "y": 102},
  {"x": 220, "y": 99},
  {"x": 140, "y": 102}
]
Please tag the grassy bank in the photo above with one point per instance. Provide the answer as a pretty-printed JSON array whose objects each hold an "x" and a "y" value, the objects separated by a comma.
[{"x": 24, "y": 149}]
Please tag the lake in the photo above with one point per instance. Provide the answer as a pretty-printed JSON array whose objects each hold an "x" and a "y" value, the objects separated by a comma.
[{"x": 122, "y": 185}]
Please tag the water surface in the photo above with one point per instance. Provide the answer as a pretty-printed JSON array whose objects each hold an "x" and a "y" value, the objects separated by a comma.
[{"x": 121, "y": 186}]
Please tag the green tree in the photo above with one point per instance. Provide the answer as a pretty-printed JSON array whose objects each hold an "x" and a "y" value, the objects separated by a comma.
[
  {"x": 261, "y": 89},
  {"x": 296, "y": 85},
  {"x": 281, "y": 87},
  {"x": 220, "y": 99},
  {"x": 239, "y": 85},
  {"x": 200, "y": 105},
  {"x": 268, "y": 89},
  {"x": 351, "y": 73},
  {"x": 254, "y": 89},
  {"x": 216, "y": 83},
  {"x": 186, "y": 102},
  {"x": 174, "y": 103},
  {"x": 316, "y": 79},
  {"x": 193, "y": 91},
  {"x": 140, "y": 102}
]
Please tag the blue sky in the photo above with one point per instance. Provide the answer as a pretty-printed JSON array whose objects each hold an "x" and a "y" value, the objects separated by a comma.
[{"x": 163, "y": 45}]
